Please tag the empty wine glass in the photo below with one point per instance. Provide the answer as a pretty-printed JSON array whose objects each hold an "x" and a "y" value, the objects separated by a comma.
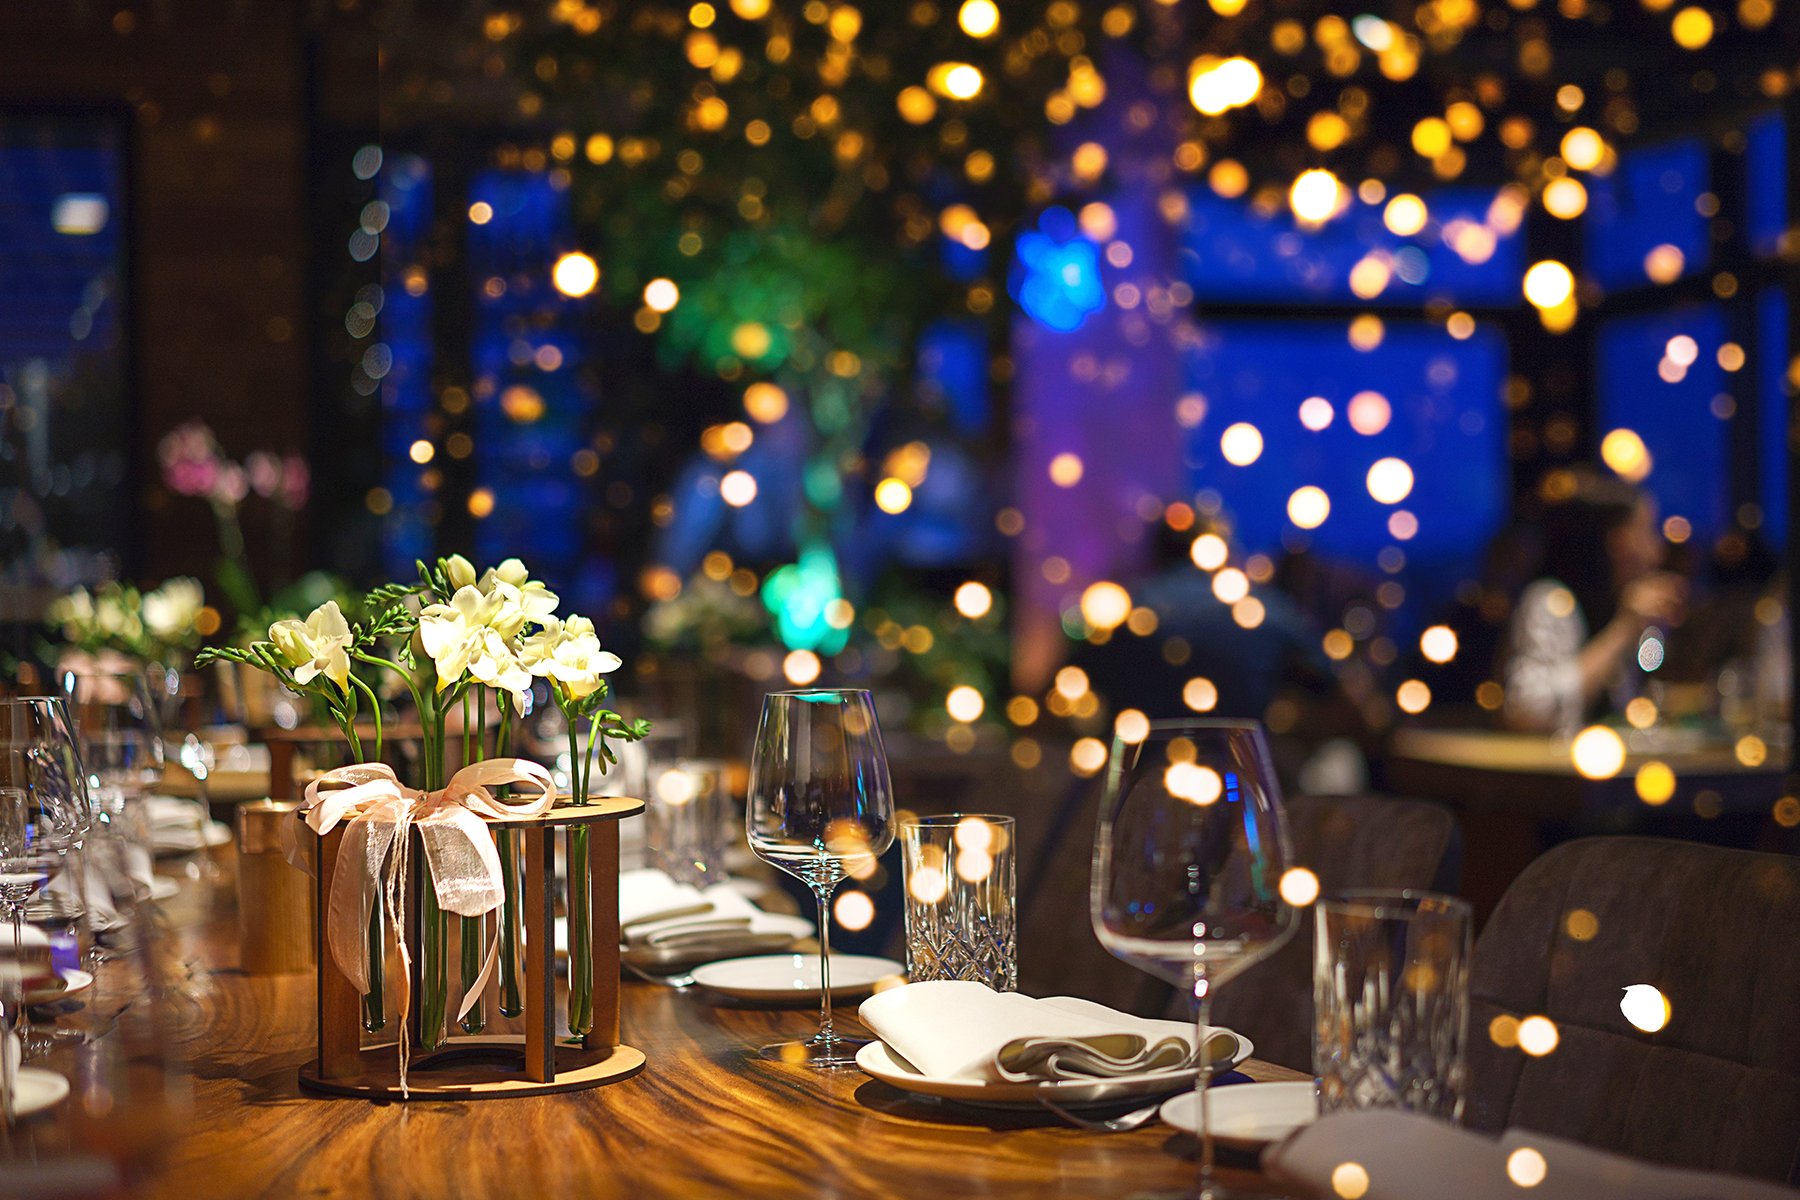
[
  {"x": 121, "y": 745},
  {"x": 820, "y": 803},
  {"x": 1189, "y": 862}
]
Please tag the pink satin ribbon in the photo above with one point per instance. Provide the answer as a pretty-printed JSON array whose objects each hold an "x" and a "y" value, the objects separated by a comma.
[{"x": 376, "y": 810}]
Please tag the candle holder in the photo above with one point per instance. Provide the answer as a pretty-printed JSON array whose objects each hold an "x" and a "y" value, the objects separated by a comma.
[{"x": 491, "y": 1066}]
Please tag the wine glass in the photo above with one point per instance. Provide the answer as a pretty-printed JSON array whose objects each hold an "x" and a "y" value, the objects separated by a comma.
[
  {"x": 1189, "y": 862},
  {"x": 820, "y": 803},
  {"x": 44, "y": 809},
  {"x": 121, "y": 744}
]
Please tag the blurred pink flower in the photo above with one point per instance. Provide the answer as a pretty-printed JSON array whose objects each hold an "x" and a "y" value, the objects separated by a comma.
[
  {"x": 231, "y": 486},
  {"x": 191, "y": 460},
  {"x": 296, "y": 482},
  {"x": 265, "y": 473}
]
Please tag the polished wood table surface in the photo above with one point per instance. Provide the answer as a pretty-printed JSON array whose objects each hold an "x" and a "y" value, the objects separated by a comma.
[{"x": 705, "y": 1118}]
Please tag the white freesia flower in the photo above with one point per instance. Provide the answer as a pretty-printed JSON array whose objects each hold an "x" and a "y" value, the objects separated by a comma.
[
  {"x": 114, "y": 618},
  {"x": 523, "y": 600},
  {"x": 452, "y": 634},
  {"x": 320, "y": 645},
  {"x": 568, "y": 653},
  {"x": 460, "y": 571},
  {"x": 494, "y": 664},
  {"x": 171, "y": 610},
  {"x": 75, "y": 612}
]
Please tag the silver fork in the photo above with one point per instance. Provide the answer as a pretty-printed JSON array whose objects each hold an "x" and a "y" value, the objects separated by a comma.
[
  {"x": 679, "y": 980},
  {"x": 1119, "y": 1124}
]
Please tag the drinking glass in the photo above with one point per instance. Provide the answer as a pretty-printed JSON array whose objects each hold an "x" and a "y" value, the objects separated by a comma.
[
  {"x": 685, "y": 821},
  {"x": 820, "y": 804},
  {"x": 1189, "y": 863},
  {"x": 961, "y": 899},
  {"x": 1391, "y": 1002}
]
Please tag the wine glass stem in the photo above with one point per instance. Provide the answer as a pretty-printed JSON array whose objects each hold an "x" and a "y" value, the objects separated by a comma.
[
  {"x": 1202, "y": 1082},
  {"x": 827, "y": 1034}
]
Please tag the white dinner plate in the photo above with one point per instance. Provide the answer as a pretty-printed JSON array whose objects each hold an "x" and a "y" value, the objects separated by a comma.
[
  {"x": 1248, "y": 1116},
  {"x": 73, "y": 982},
  {"x": 187, "y": 840},
  {"x": 773, "y": 977},
  {"x": 35, "y": 1090},
  {"x": 881, "y": 1062}
]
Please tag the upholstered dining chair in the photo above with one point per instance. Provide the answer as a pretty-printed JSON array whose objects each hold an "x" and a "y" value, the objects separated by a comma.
[{"x": 1717, "y": 932}]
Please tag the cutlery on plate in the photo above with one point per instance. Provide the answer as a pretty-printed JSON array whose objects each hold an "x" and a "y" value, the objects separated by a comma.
[{"x": 1119, "y": 1124}]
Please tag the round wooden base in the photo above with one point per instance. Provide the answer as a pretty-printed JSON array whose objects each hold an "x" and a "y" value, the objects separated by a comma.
[{"x": 475, "y": 1068}]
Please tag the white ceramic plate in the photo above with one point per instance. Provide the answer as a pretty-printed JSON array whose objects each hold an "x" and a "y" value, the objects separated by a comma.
[
  {"x": 778, "y": 925},
  {"x": 1248, "y": 1116},
  {"x": 881, "y": 1062},
  {"x": 74, "y": 982},
  {"x": 774, "y": 977},
  {"x": 163, "y": 888},
  {"x": 35, "y": 1090}
]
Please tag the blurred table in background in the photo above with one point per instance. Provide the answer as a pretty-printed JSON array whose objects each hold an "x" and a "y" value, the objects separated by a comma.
[{"x": 1516, "y": 794}]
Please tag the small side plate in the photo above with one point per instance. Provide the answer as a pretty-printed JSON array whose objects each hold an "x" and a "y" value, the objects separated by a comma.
[
  {"x": 1248, "y": 1116},
  {"x": 794, "y": 978}
]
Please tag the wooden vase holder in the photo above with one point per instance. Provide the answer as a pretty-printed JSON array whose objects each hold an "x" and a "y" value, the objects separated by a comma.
[{"x": 489, "y": 1066}]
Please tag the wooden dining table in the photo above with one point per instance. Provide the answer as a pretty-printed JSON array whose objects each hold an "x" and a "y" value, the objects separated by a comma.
[{"x": 706, "y": 1117}]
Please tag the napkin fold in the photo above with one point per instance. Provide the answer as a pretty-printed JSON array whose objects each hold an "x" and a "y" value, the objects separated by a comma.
[
  {"x": 1407, "y": 1156},
  {"x": 661, "y": 917},
  {"x": 957, "y": 1029}
]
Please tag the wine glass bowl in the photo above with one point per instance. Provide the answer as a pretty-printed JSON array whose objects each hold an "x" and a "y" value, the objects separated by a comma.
[
  {"x": 820, "y": 806},
  {"x": 1189, "y": 859}
]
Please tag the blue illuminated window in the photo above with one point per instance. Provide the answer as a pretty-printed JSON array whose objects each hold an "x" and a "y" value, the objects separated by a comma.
[
  {"x": 1776, "y": 460},
  {"x": 406, "y": 394},
  {"x": 1646, "y": 202},
  {"x": 1232, "y": 252},
  {"x": 1645, "y": 387},
  {"x": 1441, "y": 399},
  {"x": 1766, "y": 169}
]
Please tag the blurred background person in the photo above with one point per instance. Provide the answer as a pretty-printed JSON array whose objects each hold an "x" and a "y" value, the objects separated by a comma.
[{"x": 1572, "y": 647}]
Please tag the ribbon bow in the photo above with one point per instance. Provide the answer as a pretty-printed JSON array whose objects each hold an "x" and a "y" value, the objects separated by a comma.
[{"x": 376, "y": 810}]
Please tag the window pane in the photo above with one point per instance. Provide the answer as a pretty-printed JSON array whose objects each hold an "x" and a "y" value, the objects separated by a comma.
[
  {"x": 1646, "y": 204},
  {"x": 1766, "y": 168}
]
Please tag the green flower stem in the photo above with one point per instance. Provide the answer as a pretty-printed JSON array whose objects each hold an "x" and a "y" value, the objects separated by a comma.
[
  {"x": 473, "y": 949},
  {"x": 375, "y": 999},
  {"x": 581, "y": 939},
  {"x": 432, "y": 997},
  {"x": 512, "y": 1003}
]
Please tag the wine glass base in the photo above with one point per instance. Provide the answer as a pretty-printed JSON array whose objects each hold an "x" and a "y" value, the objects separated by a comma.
[{"x": 816, "y": 1052}]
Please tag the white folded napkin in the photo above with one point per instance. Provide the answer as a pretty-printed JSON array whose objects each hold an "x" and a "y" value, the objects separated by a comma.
[
  {"x": 956, "y": 1029},
  {"x": 658, "y": 914},
  {"x": 1407, "y": 1156}
]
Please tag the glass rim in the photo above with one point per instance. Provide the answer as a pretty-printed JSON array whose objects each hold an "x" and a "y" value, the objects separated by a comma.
[
  {"x": 35, "y": 700},
  {"x": 1197, "y": 725},
  {"x": 817, "y": 693},
  {"x": 1394, "y": 903},
  {"x": 951, "y": 820}
]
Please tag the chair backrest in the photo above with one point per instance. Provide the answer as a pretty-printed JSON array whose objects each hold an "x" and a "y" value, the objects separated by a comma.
[
  {"x": 1348, "y": 842},
  {"x": 1717, "y": 931}
]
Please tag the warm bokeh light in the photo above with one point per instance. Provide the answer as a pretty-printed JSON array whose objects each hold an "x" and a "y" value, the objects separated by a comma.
[
  {"x": 1390, "y": 480},
  {"x": 1582, "y": 148},
  {"x": 1217, "y": 85},
  {"x": 1105, "y": 605},
  {"x": 1193, "y": 783},
  {"x": 1200, "y": 694},
  {"x": 1308, "y": 507},
  {"x": 978, "y": 18},
  {"x": 801, "y": 667},
  {"x": 957, "y": 81},
  {"x": 1131, "y": 726},
  {"x": 1538, "y": 1036},
  {"x": 893, "y": 495},
  {"x": 1645, "y": 1007},
  {"x": 1241, "y": 444},
  {"x": 661, "y": 295},
  {"x": 1598, "y": 752},
  {"x": 1066, "y": 469},
  {"x": 853, "y": 910},
  {"x": 1655, "y": 783},
  {"x": 575, "y": 274},
  {"x": 1316, "y": 413},
  {"x": 1315, "y": 196},
  {"x": 974, "y": 600},
  {"x": 1438, "y": 643},
  {"x": 964, "y": 703},
  {"x": 1299, "y": 886},
  {"x": 738, "y": 488},
  {"x": 1349, "y": 1181},
  {"x": 1549, "y": 284},
  {"x": 1565, "y": 198},
  {"x": 1526, "y": 1167},
  {"x": 1071, "y": 683},
  {"x": 1087, "y": 756},
  {"x": 1405, "y": 215},
  {"x": 765, "y": 403},
  {"x": 1209, "y": 552},
  {"x": 1692, "y": 28},
  {"x": 1413, "y": 697},
  {"x": 1231, "y": 585},
  {"x": 1624, "y": 452},
  {"x": 1664, "y": 263},
  {"x": 1369, "y": 413}
]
